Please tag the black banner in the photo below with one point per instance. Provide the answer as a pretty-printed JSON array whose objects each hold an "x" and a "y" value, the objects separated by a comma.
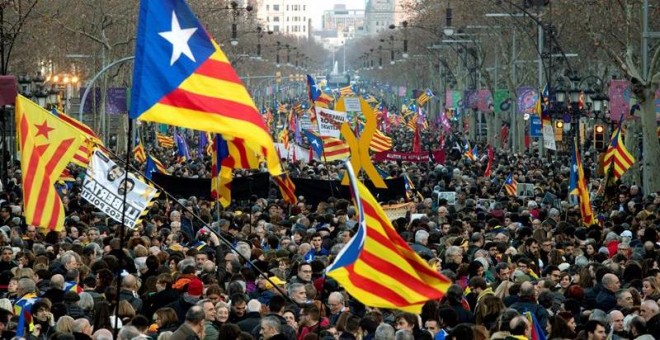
[{"x": 242, "y": 188}]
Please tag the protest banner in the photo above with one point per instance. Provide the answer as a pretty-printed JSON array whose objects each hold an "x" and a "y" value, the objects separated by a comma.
[
  {"x": 438, "y": 156},
  {"x": 394, "y": 211},
  {"x": 329, "y": 121},
  {"x": 105, "y": 185}
]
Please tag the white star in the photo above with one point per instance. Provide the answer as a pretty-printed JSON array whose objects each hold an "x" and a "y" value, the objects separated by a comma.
[
  {"x": 179, "y": 39},
  {"x": 316, "y": 87}
]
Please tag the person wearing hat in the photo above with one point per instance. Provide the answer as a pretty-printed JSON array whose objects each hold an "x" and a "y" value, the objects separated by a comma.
[
  {"x": 271, "y": 290},
  {"x": 193, "y": 293}
]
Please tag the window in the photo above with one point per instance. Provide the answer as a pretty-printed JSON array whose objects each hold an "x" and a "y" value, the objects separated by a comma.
[
  {"x": 304, "y": 27},
  {"x": 276, "y": 19},
  {"x": 276, "y": 28},
  {"x": 268, "y": 19},
  {"x": 287, "y": 29},
  {"x": 276, "y": 7},
  {"x": 304, "y": 7},
  {"x": 287, "y": 7}
]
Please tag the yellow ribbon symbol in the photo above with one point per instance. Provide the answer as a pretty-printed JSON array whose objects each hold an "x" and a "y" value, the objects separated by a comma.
[{"x": 360, "y": 148}]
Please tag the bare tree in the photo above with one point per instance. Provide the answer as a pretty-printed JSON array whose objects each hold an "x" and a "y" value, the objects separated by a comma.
[{"x": 625, "y": 50}]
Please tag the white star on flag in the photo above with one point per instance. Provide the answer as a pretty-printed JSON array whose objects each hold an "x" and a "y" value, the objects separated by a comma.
[
  {"x": 179, "y": 39},
  {"x": 316, "y": 143}
]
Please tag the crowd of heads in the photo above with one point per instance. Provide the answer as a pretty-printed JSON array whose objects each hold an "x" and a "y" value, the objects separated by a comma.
[{"x": 517, "y": 264}]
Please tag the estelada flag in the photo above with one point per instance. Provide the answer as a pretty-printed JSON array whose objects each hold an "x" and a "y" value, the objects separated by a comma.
[
  {"x": 182, "y": 78},
  {"x": 47, "y": 145},
  {"x": 378, "y": 267}
]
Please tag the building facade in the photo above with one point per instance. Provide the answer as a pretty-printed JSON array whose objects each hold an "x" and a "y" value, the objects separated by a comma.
[
  {"x": 380, "y": 14},
  {"x": 290, "y": 17}
]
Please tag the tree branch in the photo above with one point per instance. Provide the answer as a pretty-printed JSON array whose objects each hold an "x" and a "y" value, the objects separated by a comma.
[
  {"x": 655, "y": 60},
  {"x": 83, "y": 33}
]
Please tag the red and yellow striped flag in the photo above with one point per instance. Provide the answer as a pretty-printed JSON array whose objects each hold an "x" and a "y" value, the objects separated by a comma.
[
  {"x": 82, "y": 155},
  {"x": 346, "y": 91},
  {"x": 380, "y": 142},
  {"x": 47, "y": 145},
  {"x": 588, "y": 218},
  {"x": 378, "y": 267},
  {"x": 228, "y": 155},
  {"x": 617, "y": 157},
  {"x": 334, "y": 149},
  {"x": 287, "y": 188},
  {"x": 412, "y": 123},
  {"x": 139, "y": 153},
  {"x": 165, "y": 141},
  {"x": 284, "y": 138}
]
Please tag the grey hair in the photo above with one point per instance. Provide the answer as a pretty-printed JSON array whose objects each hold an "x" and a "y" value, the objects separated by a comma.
[
  {"x": 253, "y": 305},
  {"x": 66, "y": 258},
  {"x": 384, "y": 332},
  {"x": 403, "y": 334},
  {"x": 453, "y": 250},
  {"x": 293, "y": 287},
  {"x": 244, "y": 249},
  {"x": 183, "y": 264},
  {"x": 128, "y": 332},
  {"x": 336, "y": 248},
  {"x": 27, "y": 285},
  {"x": 86, "y": 301},
  {"x": 598, "y": 314},
  {"x": 271, "y": 321},
  {"x": 195, "y": 314},
  {"x": 421, "y": 236},
  {"x": 38, "y": 249},
  {"x": 162, "y": 336}
]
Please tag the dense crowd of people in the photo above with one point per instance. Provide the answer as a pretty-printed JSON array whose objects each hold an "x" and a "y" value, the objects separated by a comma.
[{"x": 193, "y": 270}]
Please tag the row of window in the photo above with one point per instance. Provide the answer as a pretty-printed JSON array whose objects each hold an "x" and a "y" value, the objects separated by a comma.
[
  {"x": 291, "y": 29},
  {"x": 293, "y": 7},
  {"x": 294, "y": 19}
]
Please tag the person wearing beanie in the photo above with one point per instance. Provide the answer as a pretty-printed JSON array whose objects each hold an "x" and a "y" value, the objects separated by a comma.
[{"x": 194, "y": 291}]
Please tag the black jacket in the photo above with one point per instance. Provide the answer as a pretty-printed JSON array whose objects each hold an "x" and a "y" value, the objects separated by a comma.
[
  {"x": 180, "y": 306},
  {"x": 55, "y": 295},
  {"x": 135, "y": 301},
  {"x": 251, "y": 320},
  {"x": 606, "y": 300},
  {"x": 155, "y": 301}
]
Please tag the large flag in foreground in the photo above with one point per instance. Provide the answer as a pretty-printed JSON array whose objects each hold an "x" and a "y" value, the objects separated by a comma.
[
  {"x": 377, "y": 266},
  {"x": 47, "y": 145},
  {"x": 181, "y": 77}
]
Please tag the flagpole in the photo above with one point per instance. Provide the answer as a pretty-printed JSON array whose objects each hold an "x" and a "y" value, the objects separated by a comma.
[
  {"x": 502, "y": 187},
  {"x": 199, "y": 219},
  {"x": 121, "y": 224}
]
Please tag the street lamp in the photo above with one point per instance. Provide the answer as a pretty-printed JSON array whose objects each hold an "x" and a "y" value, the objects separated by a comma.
[
  {"x": 277, "y": 53},
  {"x": 260, "y": 34},
  {"x": 380, "y": 57},
  {"x": 288, "y": 53},
  {"x": 391, "y": 42},
  {"x": 235, "y": 13}
]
